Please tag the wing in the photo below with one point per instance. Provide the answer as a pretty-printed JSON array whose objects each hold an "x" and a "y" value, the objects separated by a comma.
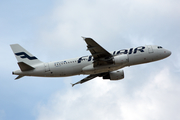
[
  {"x": 90, "y": 77},
  {"x": 100, "y": 55}
]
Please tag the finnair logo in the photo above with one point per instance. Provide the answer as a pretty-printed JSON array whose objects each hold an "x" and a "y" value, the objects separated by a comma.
[{"x": 24, "y": 55}]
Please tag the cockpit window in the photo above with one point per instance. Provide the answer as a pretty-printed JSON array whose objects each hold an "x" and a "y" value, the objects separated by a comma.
[{"x": 159, "y": 47}]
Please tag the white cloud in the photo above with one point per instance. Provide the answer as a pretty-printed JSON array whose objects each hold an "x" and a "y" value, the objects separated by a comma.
[
  {"x": 138, "y": 22},
  {"x": 145, "y": 93},
  {"x": 121, "y": 21},
  {"x": 100, "y": 99}
]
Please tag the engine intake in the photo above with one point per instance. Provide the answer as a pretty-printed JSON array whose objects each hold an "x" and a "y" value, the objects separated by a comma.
[{"x": 114, "y": 75}]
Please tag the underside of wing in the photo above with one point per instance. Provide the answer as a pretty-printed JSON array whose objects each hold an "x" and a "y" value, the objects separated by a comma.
[{"x": 90, "y": 77}]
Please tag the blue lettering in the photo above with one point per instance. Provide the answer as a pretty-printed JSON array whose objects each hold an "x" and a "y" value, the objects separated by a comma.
[
  {"x": 117, "y": 52},
  {"x": 135, "y": 50},
  {"x": 114, "y": 52},
  {"x": 81, "y": 59},
  {"x": 139, "y": 49},
  {"x": 124, "y": 51},
  {"x": 90, "y": 57},
  {"x": 130, "y": 51}
]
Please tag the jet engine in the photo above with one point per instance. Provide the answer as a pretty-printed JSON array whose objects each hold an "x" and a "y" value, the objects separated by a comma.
[
  {"x": 121, "y": 59},
  {"x": 114, "y": 75}
]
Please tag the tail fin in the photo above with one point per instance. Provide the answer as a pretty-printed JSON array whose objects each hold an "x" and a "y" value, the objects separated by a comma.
[{"x": 26, "y": 60}]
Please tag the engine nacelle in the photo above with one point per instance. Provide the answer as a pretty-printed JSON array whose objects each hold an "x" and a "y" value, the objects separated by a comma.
[
  {"x": 115, "y": 75},
  {"x": 121, "y": 59}
]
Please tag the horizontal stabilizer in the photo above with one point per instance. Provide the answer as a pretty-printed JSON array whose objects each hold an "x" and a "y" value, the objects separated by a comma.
[
  {"x": 24, "y": 67},
  {"x": 20, "y": 76}
]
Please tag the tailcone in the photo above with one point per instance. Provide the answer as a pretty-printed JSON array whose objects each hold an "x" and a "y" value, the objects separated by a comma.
[{"x": 17, "y": 72}]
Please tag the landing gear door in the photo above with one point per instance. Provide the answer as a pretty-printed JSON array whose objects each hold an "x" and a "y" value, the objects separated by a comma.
[
  {"x": 46, "y": 65},
  {"x": 150, "y": 49}
]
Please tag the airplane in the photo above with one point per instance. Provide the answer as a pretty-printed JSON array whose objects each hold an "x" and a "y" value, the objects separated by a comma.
[{"x": 100, "y": 63}]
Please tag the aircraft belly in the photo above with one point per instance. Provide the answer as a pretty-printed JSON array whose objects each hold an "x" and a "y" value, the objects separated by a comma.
[{"x": 101, "y": 69}]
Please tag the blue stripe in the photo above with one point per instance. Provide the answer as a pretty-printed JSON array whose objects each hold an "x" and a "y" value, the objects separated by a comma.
[{"x": 24, "y": 55}]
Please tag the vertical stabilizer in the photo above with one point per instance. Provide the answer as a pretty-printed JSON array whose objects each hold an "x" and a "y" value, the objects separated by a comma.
[{"x": 23, "y": 56}]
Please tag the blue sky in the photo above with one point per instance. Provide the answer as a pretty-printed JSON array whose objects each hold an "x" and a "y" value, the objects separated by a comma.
[{"x": 52, "y": 30}]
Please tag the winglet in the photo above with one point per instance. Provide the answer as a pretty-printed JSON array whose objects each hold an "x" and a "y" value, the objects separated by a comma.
[
  {"x": 72, "y": 84},
  {"x": 75, "y": 84},
  {"x": 83, "y": 37}
]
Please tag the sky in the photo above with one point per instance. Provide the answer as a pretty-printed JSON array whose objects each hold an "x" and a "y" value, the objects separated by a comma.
[{"x": 51, "y": 30}]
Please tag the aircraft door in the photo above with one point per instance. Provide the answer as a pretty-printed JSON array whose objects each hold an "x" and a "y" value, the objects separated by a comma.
[
  {"x": 46, "y": 65},
  {"x": 150, "y": 49}
]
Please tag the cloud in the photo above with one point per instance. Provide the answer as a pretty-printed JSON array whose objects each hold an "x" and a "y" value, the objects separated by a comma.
[
  {"x": 149, "y": 91},
  {"x": 151, "y": 94},
  {"x": 100, "y": 99},
  {"x": 126, "y": 22}
]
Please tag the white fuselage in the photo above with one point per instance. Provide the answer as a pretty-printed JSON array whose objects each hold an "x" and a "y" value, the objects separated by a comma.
[{"x": 84, "y": 65}]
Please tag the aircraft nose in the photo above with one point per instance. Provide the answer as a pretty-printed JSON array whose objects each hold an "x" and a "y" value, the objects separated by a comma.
[{"x": 167, "y": 52}]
